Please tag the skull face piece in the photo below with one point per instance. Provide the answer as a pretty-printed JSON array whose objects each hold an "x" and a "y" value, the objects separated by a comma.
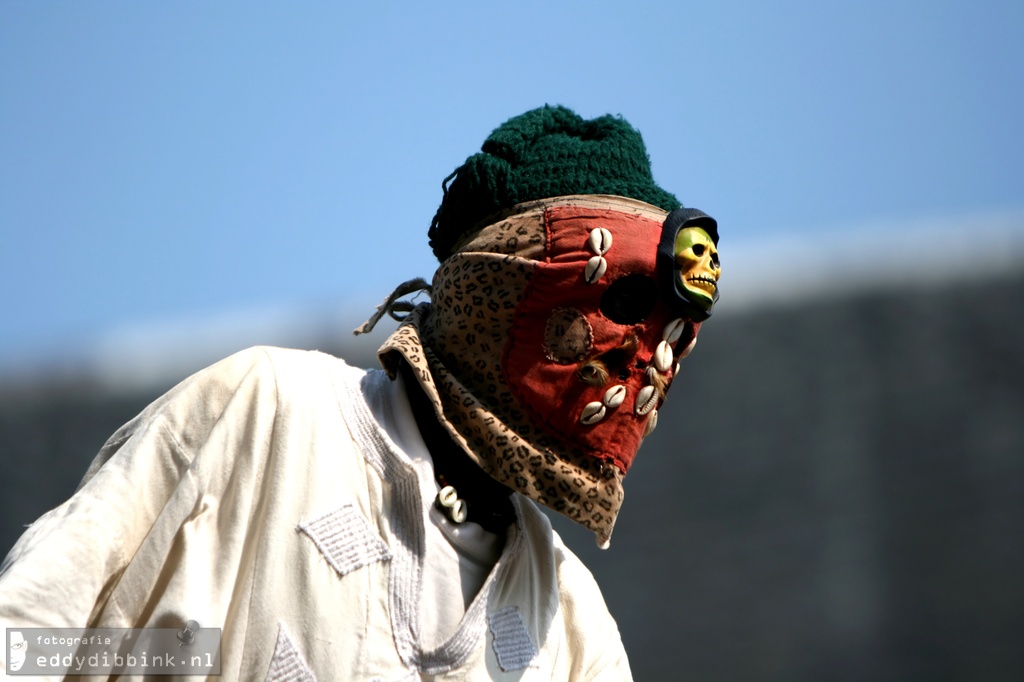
[
  {"x": 697, "y": 266},
  {"x": 688, "y": 262}
]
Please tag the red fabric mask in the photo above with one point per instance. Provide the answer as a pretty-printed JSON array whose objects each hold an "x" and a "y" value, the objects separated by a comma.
[{"x": 591, "y": 354}]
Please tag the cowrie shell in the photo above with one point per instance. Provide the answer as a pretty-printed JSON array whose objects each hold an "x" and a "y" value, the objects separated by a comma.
[
  {"x": 459, "y": 512},
  {"x": 663, "y": 356},
  {"x": 615, "y": 396},
  {"x": 596, "y": 267},
  {"x": 646, "y": 400},
  {"x": 651, "y": 424},
  {"x": 592, "y": 413},
  {"x": 600, "y": 240},
  {"x": 447, "y": 497},
  {"x": 673, "y": 330},
  {"x": 689, "y": 348}
]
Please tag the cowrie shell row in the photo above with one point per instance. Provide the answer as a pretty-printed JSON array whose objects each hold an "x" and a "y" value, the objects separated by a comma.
[
  {"x": 663, "y": 356},
  {"x": 459, "y": 512},
  {"x": 600, "y": 240},
  {"x": 673, "y": 330},
  {"x": 593, "y": 413},
  {"x": 689, "y": 348},
  {"x": 615, "y": 396},
  {"x": 646, "y": 400},
  {"x": 596, "y": 267},
  {"x": 448, "y": 497},
  {"x": 651, "y": 423}
]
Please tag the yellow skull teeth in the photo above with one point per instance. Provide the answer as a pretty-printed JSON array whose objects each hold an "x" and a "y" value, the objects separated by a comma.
[{"x": 703, "y": 282}]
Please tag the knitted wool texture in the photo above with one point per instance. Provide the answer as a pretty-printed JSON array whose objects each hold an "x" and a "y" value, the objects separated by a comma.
[{"x": 546, "y": 152}]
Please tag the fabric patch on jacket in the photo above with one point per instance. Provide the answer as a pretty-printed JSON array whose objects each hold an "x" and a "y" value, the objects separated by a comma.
[
  {"x": 287, "y": 664},
  {"x": 512, "y": 644},
  {"x": 346, "y": 540}
]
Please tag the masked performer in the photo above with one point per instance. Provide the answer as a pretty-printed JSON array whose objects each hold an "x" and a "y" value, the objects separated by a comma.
[{"x": 343, "y": 524}]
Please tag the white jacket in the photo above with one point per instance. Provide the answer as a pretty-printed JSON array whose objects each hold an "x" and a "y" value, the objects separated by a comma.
[{"x": 260, "y": 496}]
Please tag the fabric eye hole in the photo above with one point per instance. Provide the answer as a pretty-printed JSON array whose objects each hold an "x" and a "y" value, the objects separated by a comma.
[
  {"x": 593, "y": 372},
  {"x": 629, "y": 299}
]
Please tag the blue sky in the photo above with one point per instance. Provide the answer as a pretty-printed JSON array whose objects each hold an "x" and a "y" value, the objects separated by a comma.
[{"x": 162, "y": 161}]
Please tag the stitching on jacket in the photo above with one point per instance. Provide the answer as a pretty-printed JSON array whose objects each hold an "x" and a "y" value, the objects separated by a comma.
[
  {"x": 512, "y": 644},
  {"x": 346, "y": 540},
  {"x": 287, "y": 664},
  {"x": 407, "y": 536}
]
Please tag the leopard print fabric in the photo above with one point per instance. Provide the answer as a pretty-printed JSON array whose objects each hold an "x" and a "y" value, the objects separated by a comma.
[
  {"x": 519, "y": 234},
  {"x": 582, "y": 488}
]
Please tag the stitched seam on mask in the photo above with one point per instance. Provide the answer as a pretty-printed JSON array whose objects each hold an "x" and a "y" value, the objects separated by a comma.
[
  {"x": 513, "y": 386},
  {"x": 590, "y": 336}
]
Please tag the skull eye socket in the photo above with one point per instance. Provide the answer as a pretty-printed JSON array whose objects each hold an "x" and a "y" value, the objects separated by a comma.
[{"x": 629, "y": 299}]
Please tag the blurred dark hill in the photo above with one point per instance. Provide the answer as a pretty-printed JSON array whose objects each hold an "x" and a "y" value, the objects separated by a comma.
[{"x": 835, "y": 490}]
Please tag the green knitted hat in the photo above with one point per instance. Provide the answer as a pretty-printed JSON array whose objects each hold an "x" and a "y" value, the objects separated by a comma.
[{"x": 546, "y": 152}]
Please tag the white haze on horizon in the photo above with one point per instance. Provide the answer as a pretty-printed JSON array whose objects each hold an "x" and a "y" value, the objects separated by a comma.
[{"x": 779, "y": 271}]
